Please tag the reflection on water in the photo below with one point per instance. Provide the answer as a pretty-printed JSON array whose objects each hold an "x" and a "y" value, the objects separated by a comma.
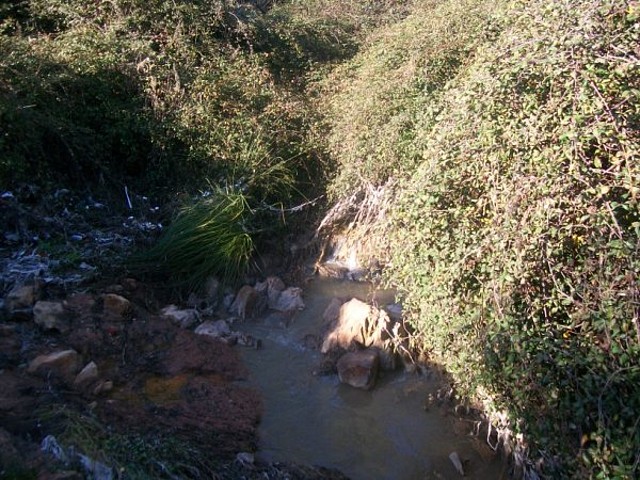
[{"x": 384, "y": 433}]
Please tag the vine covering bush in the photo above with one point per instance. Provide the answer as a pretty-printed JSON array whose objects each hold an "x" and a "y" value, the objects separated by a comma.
[{"x": 512, "y": 150}]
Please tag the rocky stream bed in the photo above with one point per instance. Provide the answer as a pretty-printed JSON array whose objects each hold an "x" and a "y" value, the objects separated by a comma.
[{"x": 104, "y": 376}]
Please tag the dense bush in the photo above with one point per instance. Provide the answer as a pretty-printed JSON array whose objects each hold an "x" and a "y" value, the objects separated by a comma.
[{"x": 508, "y": 134}]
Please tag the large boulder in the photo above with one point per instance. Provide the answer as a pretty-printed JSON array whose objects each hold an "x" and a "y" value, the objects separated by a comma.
[
  {"x": 364, "y": 325},
  {"x": 51, "y": 316},
  {"x": 359, "y": 369}
]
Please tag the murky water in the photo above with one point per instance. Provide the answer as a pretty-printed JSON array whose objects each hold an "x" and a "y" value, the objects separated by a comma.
[{"x": 384, "y": 433}]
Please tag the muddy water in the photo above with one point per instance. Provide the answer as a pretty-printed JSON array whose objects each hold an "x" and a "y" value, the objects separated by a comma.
[{"x": 380, "y": 434}]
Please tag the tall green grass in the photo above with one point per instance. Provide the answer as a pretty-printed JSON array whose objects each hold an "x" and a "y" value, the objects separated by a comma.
[{"x": 209, "y": 237}]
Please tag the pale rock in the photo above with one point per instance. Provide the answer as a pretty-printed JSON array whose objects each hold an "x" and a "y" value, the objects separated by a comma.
[
  {"x": 247, "y": 303},
  {"x": 245, "y": 458},
  {"x": 216, "y": 329},
  {"x": 51, "y": 446},
  {"x": 288, "y": 300},
  {"x": 366, "y": 325},
  {"x": 457, "y": 463},
  {"x": 87, "y": 376},
  {"x": 186, "y": 318},
  {"x": 20, "y": 297},
  {"x": 351, "y": 324},
  {"x": 359, "y": 369},
  {"x": 50, "y": 316},
  {"x": 65, "y": 363},
  {"x": 116, "y": 304}
]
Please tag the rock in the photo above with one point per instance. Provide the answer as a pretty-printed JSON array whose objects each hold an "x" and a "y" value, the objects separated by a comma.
[
  {"x": 51, "y": 316},
  {"x": 51, "y": 446},
  {"x": 363, "y": 324},
  {"x": 351, "y": 324},
  {"x": 103, "y": 387},
  {"x": 359, "y": 369},
  {"x": 87, "y": 376},
  {"x": 248, "y": 341},
  {"x": 184, "y": 318},
  {"x": 19, "y": 298},
  {"x": 457, "y": 463},
  {"x": 332, "y": 312},
  {"x": 245, "y": 458},
  {"x": 247, "y": 303},
  {"x": 288, "y": 300},
  {"x": 275, "y": 286},
  {"x": 215, "y": 329},
  {"x": 115, "y": 304},
  {"x": 65, "y": 363},
  {"x": 331, "y": 270}
]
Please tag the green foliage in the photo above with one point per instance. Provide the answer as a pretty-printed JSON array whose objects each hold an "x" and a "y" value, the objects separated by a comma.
[{"x": 509, "y": 134}]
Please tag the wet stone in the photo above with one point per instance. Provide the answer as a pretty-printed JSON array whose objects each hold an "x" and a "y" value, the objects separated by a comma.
[{"x": 359, "y": 369}]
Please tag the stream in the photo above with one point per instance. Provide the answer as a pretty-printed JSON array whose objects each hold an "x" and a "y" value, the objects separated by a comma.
[{"x": 385, "y": 433}]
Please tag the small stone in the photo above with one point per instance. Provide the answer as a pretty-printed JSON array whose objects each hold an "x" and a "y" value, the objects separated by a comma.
[
  {"x": 50, "y": 316},
  {"x": 245, "y": 458},
  {"x": 116, "y": 304},
  {"x": 184, "y": 318},
  {"x": 87, "y": 376},
  {"x": 216, "y": 329},
  {"x": 103, "y": 387},
  {"x": 457, "y": 463},
  {"x": 65, "y": 363}
]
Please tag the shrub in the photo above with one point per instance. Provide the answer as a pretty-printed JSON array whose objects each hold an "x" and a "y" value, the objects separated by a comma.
[{"x": 512, "y": 158}]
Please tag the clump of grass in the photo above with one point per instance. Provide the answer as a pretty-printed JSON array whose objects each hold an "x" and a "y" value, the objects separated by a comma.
[{"x": 210, "y": 237}]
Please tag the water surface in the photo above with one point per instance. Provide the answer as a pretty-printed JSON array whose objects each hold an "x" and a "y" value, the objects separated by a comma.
[{"x": 382, "y": 434}]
